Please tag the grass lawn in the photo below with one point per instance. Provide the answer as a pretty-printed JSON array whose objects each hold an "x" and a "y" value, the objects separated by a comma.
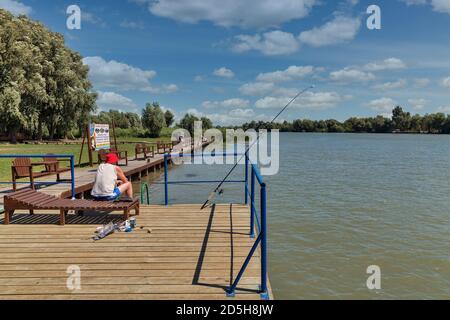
[{"x": 5, "y": 164}]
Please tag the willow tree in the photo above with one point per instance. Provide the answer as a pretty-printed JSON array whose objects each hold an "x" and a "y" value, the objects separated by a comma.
[{"x": 43, "y": 84}]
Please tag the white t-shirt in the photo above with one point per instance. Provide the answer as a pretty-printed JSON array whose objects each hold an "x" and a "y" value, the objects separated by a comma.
[{"x": 105, "y": 181}]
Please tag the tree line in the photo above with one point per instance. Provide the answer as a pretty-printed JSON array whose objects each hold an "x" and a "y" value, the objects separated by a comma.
[{"x": 437, "y": 123}]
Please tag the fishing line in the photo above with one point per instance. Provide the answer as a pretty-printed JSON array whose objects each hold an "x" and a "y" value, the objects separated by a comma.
[{"x": 218, "y": 189}]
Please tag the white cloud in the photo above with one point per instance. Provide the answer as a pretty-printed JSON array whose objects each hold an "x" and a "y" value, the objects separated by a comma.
[
  {"x": 444, "y": 109},
  {"x": 382, "y": 105},
  {"x": 417, "y": 104},
  {"x": 121, "y": 76},
  {"x": 15, "y": 7},
  {"x": 441, "y": 5},
  {"x": 311, "y": 100},
  {"x": 340, "y": 30},
  {"x": 421, "y": 82},
  {"x": 270, "y": 43},
  {"x": 113, "y": 74},
  {"x": 256, "y": 88},
  {"x": 246, "y": 14},
  {"x": 132, "y": 24},
  {"x": 446, "y": 82},
  {"x": 198, "y": 78},
  {"x": 242, "y": 113},
  {"x": 388, "y": 64},
  {"x": 438, "y": 5},
  {"x": 223, "y": 73},
  {"x": 233, "y": 117},
  {"x": 112, "y": 100},
  {"x": 392, "y": 85},
  {"x": 414, "y": 2},
  {"x": 230, "y": 103},
  {"x": 348, "y": 75},
  {"x": 290, "y": 74}
]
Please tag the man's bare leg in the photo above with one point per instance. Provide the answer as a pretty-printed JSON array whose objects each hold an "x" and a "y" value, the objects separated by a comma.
[{"x": 126, "y": 188}]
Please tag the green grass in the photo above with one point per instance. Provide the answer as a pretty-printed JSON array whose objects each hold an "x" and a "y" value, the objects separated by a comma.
[{"x": 5, "y": 164}]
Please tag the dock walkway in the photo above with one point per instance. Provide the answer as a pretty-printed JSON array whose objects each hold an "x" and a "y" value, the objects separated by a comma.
[
  {"x": 84, "y": 177},
  {"x": 180, "y": 253}
]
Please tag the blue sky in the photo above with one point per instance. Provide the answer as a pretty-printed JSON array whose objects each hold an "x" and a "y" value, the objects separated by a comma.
[{"x": 237, "y": 61}]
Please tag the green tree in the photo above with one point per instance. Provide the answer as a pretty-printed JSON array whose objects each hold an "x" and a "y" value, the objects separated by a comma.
[
  {"x": 206, "y": 123},
  {"x": 170, "y": 118},
  {"x": 46, "y": 80},
  {"x": 188, "y": 122},
  {"x": 153, "y": 119}
]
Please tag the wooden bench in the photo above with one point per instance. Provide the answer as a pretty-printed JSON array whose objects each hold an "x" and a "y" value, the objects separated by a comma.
[
  {"x": 31, "y": 200},
  {"x": 148, "y": 151},
  {"x": 23, "y": 168},
  {"x": 165, "y": 147},
  {"x": 122, "y": 155}
]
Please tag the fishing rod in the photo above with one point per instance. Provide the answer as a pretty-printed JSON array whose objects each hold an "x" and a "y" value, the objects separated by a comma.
[{"x": 218, "y": 189}]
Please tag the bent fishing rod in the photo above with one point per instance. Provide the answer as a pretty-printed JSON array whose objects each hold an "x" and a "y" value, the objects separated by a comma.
[{"x": 218, "y": 189}]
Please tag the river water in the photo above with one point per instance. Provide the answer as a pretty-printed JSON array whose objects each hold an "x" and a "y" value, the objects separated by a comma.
[{"x": 344, "y": 202}]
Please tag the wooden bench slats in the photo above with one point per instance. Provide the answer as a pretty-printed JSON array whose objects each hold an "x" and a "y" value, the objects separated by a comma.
[{"x": 33, "y": 200}]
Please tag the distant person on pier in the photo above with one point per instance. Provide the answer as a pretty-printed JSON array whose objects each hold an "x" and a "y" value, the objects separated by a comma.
[{"x": 110, "y": 181}]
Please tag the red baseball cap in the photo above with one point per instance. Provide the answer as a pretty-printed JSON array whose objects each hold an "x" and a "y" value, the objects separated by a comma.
[{"x": 112, "y": 158}]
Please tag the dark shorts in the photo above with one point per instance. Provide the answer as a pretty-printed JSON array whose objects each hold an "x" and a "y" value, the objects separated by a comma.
[{"x": 110, "y": 198}]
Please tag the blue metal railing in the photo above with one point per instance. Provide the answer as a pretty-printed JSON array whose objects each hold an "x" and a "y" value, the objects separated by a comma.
[
  {"x": 56, "y": 156},
  {"x": 260, "y": 223}
]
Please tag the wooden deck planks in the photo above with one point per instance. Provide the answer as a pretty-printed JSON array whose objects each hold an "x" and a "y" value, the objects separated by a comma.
[{"x": 181, "y": 253}]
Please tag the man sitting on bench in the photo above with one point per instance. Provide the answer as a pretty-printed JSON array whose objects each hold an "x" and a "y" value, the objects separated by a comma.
[{"x": 110, "y": 181}]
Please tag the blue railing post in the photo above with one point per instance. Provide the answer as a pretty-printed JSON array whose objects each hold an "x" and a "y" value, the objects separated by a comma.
[
  {"x": 246, "y": 179},
  {"x": 252, "y": 204},
  {"x": 263, "y": 241},
  {"x": 72, "y": 173},
  {"x": 166, "y": 184}
]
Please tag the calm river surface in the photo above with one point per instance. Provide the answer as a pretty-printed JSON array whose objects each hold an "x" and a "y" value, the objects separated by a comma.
[{"x": 343, "y": 202}]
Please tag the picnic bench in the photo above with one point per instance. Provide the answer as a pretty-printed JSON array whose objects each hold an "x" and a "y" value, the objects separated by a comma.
[
  {"x": 23, "y": 168},
  {"x": 122, "y": 155},
  {"x": 31, "y": 200},
  {"x": 165, "y": 147},
  {"x": 143, "y": 148}
]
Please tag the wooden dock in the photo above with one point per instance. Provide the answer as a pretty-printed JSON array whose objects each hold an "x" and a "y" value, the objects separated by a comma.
[
  {"x": 84, "y": 177},
  {"x": 177, "y": 252}
]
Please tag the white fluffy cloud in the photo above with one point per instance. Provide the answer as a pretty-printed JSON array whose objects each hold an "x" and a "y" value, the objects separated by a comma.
[
  {"x": 391, "y": 85},
  {"x": 441, "y": 5},
  {"x": 112, "y": 100},
  {"x": 270, "y": 43},
  {"x": 438, "y": 5},
  {"x": 311, "y": 100},
  {"x": 290, "y": 74},
  {"x": 230, "y": 103},
  {"x": 340, "y": 30},
  {"x": 348, "y": 75},
  {"x": 121, "y": 76},
  {"x": 223, "y": 73},
  {"x": 246, "y": 14},
  {"x": 256, "y": 88},
  {"x": 113, "y": 74},
  {"x": 444, "y": 109},
  {"x": 388, "y": 64},
  {"x": 233, "y": 117},
  {"x": 384, "y": 105},
  {"x": 417, "y": 104},
  {"x": 15, "y": 7},
  {"x": 446, "y": 82},
  {"x": 421, "y": 82}
]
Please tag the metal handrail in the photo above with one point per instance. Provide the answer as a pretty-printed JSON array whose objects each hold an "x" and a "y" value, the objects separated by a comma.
[
  {"x": 56, "y": 156},
  {"x": 144, "y": 187},
  {"x": 261, "y": 224}
]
